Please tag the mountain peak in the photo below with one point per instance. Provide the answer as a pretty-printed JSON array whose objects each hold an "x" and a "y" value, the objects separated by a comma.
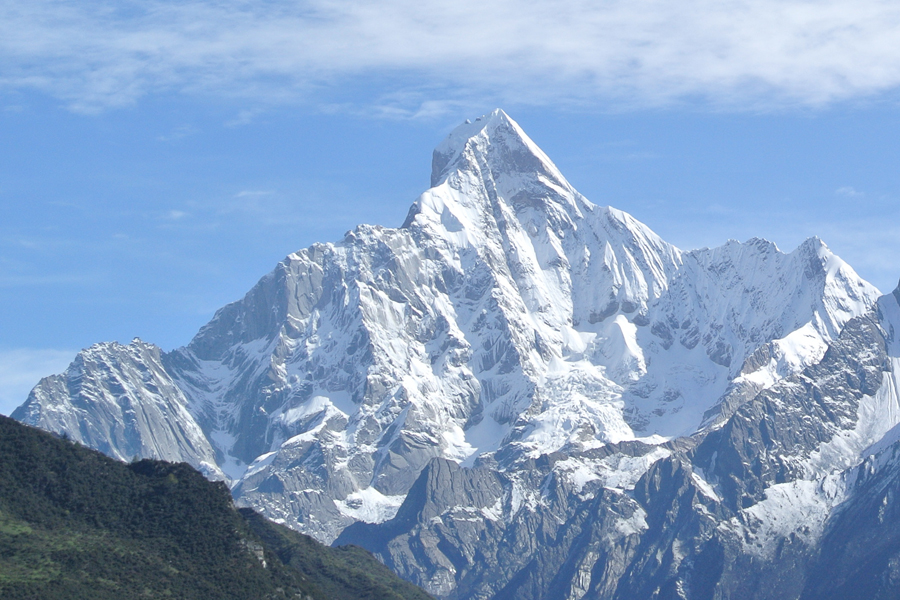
[
  {"x": 494, "y": 140},
  {"x": 455, "y": 143},
  {"x": 488, "y": 172}
]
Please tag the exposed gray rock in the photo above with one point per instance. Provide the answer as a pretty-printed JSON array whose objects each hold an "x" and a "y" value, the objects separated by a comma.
[
  {"x": 122, "y": 401},
  {"x": 859, "y": 555}
]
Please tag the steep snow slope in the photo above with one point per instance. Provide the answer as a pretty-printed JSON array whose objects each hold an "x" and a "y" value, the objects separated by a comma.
[{"x": 509, "y": 318}]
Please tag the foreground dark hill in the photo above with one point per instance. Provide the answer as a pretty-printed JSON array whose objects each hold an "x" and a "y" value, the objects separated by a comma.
[{"x": 76, "y": 524}]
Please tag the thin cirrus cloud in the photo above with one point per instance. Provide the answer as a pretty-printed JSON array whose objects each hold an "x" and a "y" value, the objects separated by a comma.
[{"x": 738, "y": 53}]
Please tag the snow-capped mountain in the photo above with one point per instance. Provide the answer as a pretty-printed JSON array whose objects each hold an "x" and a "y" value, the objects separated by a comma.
[
  {"x": 122, "y": 401},
  {"x": 518, "y": 393}
]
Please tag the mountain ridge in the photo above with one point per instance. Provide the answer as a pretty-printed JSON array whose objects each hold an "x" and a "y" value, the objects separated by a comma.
[{"x": 561, "y": 353}]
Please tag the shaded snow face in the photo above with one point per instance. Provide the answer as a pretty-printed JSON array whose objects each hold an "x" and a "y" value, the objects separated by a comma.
[{"x": 508, "y": 318}]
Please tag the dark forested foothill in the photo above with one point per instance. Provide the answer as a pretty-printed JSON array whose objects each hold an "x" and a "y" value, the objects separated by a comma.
[{"x": 76, "y": 524}]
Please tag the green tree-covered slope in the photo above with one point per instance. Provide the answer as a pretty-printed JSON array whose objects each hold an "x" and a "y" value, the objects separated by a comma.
[{"x": 76, "y": 524}]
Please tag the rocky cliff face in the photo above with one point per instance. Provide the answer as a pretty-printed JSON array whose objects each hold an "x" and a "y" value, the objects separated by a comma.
[
  {"x": 791, "y": 497},
  {"x": 122, "y": 401},
  {"x": 520, "y": 394}
]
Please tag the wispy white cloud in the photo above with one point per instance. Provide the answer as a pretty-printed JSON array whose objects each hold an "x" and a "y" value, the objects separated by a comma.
[
  {"x": 244, "y": 117},
  {"x": 22, "y": 368},
  {"x": 253, "y": 193},
  {"x": 848, "y": 192},
  {"x": 178, "y": 133},
  {"x": 732, "y": 53}
]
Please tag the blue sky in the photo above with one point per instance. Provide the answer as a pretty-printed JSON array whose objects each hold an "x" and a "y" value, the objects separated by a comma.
[{"x": 158, "y": 158}]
